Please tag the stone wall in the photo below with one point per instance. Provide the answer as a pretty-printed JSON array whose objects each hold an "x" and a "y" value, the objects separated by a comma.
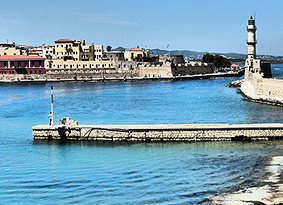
[
  {"x": 89, "y": 133},
  {"x": 268, "y": 87},
  {"x": 193, "y": 69},
  {"x": 154, "y": 70}
]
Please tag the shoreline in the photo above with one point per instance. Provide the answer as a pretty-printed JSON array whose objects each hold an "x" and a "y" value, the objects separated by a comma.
[
  {"x": 127, "y": 79},
  {"x": 265, "y": 187}
]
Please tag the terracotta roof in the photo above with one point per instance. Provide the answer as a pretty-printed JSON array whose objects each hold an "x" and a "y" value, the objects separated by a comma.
[
  {"x": 20, "y": 57},
  {"x": 234, "y": 65},
  {"x": 134, "y": 49},
  {"x": 64, "y": 41}
]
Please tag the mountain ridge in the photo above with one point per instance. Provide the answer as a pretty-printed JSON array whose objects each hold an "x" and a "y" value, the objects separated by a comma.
[{"x": 197, "y": 55}]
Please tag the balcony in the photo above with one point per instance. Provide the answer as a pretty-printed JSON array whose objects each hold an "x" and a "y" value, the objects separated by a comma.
[
  {"x": 251, "y": 42},
  {"x": 253, "y": 28}
]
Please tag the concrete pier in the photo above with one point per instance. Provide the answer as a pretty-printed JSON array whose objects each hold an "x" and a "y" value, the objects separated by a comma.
[{"x": 165, "y": 132}]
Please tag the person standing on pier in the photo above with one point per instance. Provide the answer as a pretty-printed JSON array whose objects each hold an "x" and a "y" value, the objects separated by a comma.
[{"x": 50, "y": 118}]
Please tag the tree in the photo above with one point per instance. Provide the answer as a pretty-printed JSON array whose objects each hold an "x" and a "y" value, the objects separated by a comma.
[
  {"x": 108, "y": 48},
  {"x": 219, "y": 61},
  {"x": 207, "y": 58}
]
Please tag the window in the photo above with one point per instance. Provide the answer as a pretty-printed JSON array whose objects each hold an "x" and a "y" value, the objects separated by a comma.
[
  {"x": 35, "y": 72},
  {"x": 57, "y": 46},
  {"x": 14, "y": 54},
  {"x": 5, "y": 53},
  {"x": 57, "y": 53},
  {"x": 62, "y": 46}
]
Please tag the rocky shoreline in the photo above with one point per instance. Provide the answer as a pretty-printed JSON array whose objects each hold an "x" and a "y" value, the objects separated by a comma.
[
  {"x": 266, "y": 185},
  {"x": 235, "y": 84}
]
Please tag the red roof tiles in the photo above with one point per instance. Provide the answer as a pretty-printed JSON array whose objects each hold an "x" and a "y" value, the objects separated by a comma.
[
  {"x": 64, "y": 41},
  {"x": 134, "y": 49}
]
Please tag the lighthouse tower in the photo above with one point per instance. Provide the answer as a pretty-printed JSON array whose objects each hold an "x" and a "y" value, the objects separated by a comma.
[
  {"x": 251, "y": 28},
  {"x": 252, "y": 64}
]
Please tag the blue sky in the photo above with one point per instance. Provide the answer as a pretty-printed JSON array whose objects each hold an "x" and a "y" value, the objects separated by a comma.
[{"x": 198, "y": 25}]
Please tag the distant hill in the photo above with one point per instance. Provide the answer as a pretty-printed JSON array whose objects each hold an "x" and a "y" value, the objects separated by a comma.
[{"x": 194, "y": 55}]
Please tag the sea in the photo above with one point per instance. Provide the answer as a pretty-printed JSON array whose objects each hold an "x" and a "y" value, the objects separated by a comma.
[{"x": 46, "y": 172}]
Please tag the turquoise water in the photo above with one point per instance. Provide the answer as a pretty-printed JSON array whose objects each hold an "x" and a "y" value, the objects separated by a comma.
[{"x": 127, "y": 173}]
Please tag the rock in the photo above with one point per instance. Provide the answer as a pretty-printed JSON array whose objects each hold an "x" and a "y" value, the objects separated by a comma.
[{"x": 235, "y": 84}]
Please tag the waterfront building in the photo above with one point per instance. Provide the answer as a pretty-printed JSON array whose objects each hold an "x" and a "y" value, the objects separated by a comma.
[
  {"x": 21, "y": 64},
  {"x": 113, "y": 55},
  {"x": 136, "y": 54},
  {"x": 98, "y": 52},
  {"x": 9, "y": 51},
  {"x": 66, "y": 49},
  {"x": 87, "y": 52},
  {"x": 69, "y": 50},
  {"x": 48, "y": 52}
]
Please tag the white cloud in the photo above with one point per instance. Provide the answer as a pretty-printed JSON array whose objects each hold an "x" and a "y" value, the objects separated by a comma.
[{"x": 11, "y": 21}]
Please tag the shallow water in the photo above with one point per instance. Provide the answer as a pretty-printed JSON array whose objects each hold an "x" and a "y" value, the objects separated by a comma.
[{"x": 127, "y": 173}]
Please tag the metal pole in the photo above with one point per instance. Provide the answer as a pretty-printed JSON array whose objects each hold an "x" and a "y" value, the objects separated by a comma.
[{"x": 52, "y": 105}]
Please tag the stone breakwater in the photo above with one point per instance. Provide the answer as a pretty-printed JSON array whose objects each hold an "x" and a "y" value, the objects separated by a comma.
[{"x": 186, "y": 132}]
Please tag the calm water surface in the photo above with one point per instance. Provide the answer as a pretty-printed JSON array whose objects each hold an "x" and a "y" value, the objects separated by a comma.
[{"x": 127, "y": 173}]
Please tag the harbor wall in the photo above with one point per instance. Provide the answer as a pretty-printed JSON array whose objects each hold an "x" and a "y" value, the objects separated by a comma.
[
  {"x": 159, "y": 132},
  {"x": 193, "y": 69},
  {"x": 268, "y": 86}
]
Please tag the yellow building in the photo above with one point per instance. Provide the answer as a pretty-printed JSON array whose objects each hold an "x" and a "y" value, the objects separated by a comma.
[
  {"x": 136, "y": 54},
  {"x": 9, "y": 51},
  {"x": 66, "y": 49}
]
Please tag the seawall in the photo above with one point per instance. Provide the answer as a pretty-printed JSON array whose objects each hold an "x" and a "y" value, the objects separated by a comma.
[
  {"x": 119, "y": 79},
  {"x": 249, "y": 91},
  {"x": 182, "y": 132}
]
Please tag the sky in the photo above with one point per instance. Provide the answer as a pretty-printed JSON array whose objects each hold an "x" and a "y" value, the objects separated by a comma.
[{"x": 198, "y": 25}]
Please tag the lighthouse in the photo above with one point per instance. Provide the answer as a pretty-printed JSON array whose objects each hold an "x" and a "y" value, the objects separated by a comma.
[
  {"x": 253, "y": 65},
  {"x": 251, "y": 28}
]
